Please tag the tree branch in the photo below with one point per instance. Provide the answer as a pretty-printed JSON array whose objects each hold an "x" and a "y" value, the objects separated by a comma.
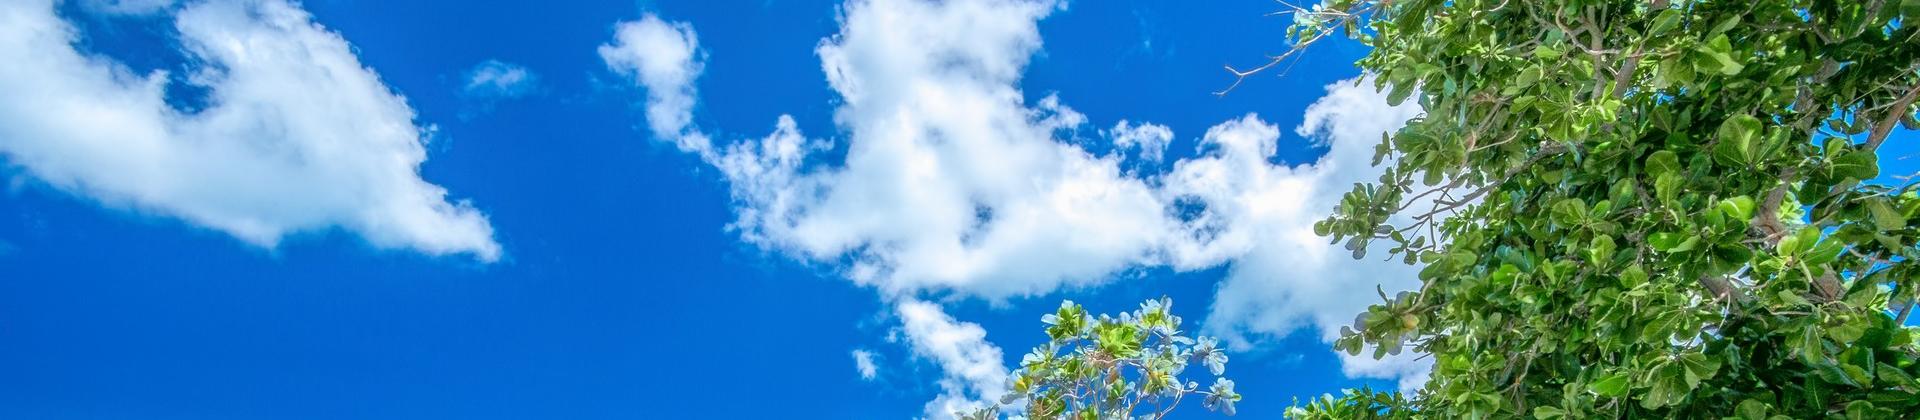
[
  {"x": 1766, "y": 219},
  {"x": 1892, "y": 119}
]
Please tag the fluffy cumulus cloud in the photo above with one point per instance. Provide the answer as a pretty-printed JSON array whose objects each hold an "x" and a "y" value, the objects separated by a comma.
[
  {"x": 950, "y": 183},
  {"x": 1259, "y": 217},
  {"x": 662, "y": 57},
  {"x": 297, "y": 135},
  {"x": 495, "y": 79},
  {"x": 954, "y": 185}
]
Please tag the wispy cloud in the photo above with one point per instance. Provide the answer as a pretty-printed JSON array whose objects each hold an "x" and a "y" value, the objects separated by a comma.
[
  {"x": 127, "y": 7},
  {"x": 495, "y": 79},
  {"x": 863, "y": 362},
  {"x": 972, "y": 372}
]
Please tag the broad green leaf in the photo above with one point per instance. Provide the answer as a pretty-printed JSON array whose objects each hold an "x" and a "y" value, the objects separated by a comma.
[
  {"x": 1665, "y": 241},
  {"x": 1737, "y": 146},
  {"x": 1634, "y": 276},
  {"x": 1610, "y": 386},
  {"x": 1856, "y": 165},
  {"x": 1884, "y": 217},
  {"x": 1548, "y": 412},
  {"x": 1698, "y": 367},
  {"x": 1663, "y": 162},
  {"x": 1737, "y": 208},
  {"x": 1665, "y": 21},
  {"x": 1716, "y": 56},
  {"x": 1600, "y": 250},
  {"x": 1752, "y": 409},
  {"x": 1823, "y": 252},
  {"x": 1798, "y": 243},
  {"x": 1569, "y": 212}
]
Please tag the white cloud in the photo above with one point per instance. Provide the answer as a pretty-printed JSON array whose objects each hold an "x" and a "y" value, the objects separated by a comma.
[
  {"x": 1259, "y": 217},
  {"x": 863, "y": 362},
  {"x": 971, "y": 368},
  {"x": 950, "y": 181},
  {"x": 297, "y": 136},
  {"x": 495, "y": 79},
  {"x": 1283, "y": 275},
  {"x": 1150, "y": 139},
  {"x": 663, "y": 57},
  {"x": 952, "y": 184}
]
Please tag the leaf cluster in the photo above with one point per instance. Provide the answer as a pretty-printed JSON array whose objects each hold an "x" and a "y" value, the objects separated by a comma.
[
  {"x": 1638, "y": 208},
  {"x": 1115, "y": 367}
]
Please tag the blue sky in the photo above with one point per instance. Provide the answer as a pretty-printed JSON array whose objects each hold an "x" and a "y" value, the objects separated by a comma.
[{"x": 524, "y": 230}]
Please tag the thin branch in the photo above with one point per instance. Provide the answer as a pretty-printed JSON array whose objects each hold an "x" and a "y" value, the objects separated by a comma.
[
  {"x": 1892, "y": 118},
  {"x": 1767, "y": 219},
  {"x": 1342, "y": 19}
]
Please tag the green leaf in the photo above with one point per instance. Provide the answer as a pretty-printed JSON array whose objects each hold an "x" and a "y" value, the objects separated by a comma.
[
  {"x": 1738, "y": 136},
  {"x": 1812, "y": 349},
  {"x": 1569, "y": 212},
  {"x": 1717, "y": 56},
  {"x": 1666, "y": 21},
  {"x": 1884, "y": 217},
  {"x": 1663, "y": 387},
  {"x": 1698, "y": 367},
  {"x": 1824, "y": 252},
  {"x": 1662, "y": 162},
  {"x": 1671, "y": 242},
  {"x": 1798, "y": 243},
  {"x": 1600, "y": 250},
  {"x": 1846, "y": 332},
  {"x": 1734, "y": 255},
  {"x": 1399, "y": 93},
  {"x": 1752, "y": 409},
  {"x": 1863, "y": 410},
  {"x": 1633, "y": 276},
  {"x": 1547, "y": 412},
  {"x": 1610, "y": 386},
  {"x": 1857, "y": 165},
  {"x": 1526, "y": 78},
  {"x": 1737, "y": 208},
  {"x": 1667, "y": 187},
  {"x": 1664, "y": 241}
]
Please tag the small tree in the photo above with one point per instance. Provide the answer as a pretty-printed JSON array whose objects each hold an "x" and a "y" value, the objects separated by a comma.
[
  {"x": 1125, "y": 367},
  {"x": 1639, "y": 209}
]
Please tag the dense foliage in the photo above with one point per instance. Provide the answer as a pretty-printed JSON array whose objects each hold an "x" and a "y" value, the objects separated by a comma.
[
  {"x": 1639, "y": 209},
  {"x": 1106, "y": 367}
]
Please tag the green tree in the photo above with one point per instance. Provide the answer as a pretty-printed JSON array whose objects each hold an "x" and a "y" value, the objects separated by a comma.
[
  {"x": 1106, "y": 367},
  {"x": 1644, "y": 209}
]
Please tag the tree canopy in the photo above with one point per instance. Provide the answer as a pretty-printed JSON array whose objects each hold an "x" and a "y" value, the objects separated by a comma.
[
  {"x": 1115, "y": 367},
  {"x": 1647, "y": 209}
]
